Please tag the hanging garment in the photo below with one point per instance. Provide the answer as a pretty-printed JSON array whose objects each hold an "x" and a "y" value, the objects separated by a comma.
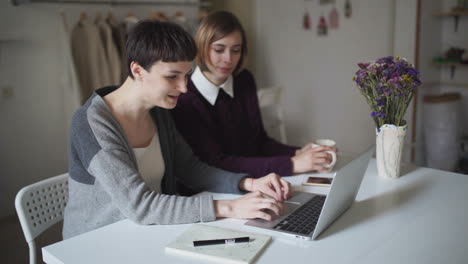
[
  {"x": 333, "y": 18},
  {"x": 180, "y": 19},
  {"x": 68, "y": 78},
  {"x": 130, "y": 21},
  {"x": 89, "y": 58},
  {"x": 112, "y": 55},
  {"x": 119, "y": 35},
  {"x": 158, "y": 16}
]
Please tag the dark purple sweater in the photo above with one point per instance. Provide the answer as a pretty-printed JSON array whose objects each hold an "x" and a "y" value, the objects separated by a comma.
[{"x": 230, "y": 134}]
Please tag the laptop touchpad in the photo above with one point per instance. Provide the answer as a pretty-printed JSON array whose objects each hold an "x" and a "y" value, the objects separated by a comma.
[
  {"x": 300, "y": 197},
  {"x": 288, "y": 208}
]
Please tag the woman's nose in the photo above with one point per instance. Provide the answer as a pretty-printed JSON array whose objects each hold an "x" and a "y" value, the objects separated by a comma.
[
  {"x": 182, "y": 87},
  {"x": 227, "y": 57}
]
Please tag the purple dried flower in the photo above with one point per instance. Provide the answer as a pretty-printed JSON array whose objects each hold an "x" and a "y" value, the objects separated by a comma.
[
  {"x": 387, "y": 91},
  {"x": 385, "y": 60},
  {"x": 388, "y": 85},
  {"x": 363, "y": 65},
  {"x": 413, "y": 72}
]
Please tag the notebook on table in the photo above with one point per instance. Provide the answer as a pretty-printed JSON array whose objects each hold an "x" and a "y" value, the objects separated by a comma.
[{"x": 237, "y": 253}]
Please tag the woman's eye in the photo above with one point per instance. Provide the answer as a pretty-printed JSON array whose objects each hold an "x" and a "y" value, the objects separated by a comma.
[
  {"x": 219, "y": 51},
  {"x": 172, "y": 77},
  {"x": 236, "y": 51}
]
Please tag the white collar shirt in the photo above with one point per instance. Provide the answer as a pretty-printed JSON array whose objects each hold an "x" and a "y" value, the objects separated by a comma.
[{"x": 208, "y": 89}]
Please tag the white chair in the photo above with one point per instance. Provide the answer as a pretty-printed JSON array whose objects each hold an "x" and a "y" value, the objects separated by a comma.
[
  {"x": 40, "y": 206},
  {"x": 272, "y": 113}
]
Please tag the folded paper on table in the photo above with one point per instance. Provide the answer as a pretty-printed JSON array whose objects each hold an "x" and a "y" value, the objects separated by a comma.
[{"x": 225, "y": 253}]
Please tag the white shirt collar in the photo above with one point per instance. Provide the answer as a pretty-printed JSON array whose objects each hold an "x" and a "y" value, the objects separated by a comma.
[{"x": 208, "y": 89}]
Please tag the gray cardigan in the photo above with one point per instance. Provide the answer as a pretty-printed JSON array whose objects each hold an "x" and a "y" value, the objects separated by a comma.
[{"x": 105, "y": 185}]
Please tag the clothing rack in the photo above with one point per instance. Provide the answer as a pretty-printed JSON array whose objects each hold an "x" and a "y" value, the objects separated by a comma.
[{"x": 111, "y": 2}]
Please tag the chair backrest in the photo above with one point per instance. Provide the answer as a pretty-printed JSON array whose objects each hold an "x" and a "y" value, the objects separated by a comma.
[
  {"x": 41, "y": 205},
  {"x": 269, "y": 96},
  {"x": 269, "y": 100}
]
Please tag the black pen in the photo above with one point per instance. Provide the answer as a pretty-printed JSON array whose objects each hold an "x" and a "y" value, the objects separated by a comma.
[{"x": 233, "y": 240}]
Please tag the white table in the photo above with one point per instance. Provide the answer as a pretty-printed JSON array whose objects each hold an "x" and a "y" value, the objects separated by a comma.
[{"x": 421, "y": 217}]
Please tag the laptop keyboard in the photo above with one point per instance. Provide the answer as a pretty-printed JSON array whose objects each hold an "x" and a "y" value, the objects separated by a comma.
[{"x": 304, "y": 219}]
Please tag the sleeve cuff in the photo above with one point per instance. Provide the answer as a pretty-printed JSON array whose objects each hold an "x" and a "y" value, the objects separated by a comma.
[
  {"x": 281, "y": 165},
  {"x": 207, "y": 212},
  {"x": 288, "y": 167},
  {"x": 234, "y": 182}
]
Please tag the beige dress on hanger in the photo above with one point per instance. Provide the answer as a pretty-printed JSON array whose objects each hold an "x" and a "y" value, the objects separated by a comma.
[{"x": 89, "y": 58}]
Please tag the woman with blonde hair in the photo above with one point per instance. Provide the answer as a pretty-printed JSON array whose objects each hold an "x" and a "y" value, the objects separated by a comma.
[{"x": 220, "y": 117}]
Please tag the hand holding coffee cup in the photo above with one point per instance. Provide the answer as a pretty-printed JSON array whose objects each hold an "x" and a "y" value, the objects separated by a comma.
[
  {"x": 319, "y": 156},
  {"x": 328, "y": 143}
]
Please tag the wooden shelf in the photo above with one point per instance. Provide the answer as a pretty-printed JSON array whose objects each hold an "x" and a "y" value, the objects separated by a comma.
[
  {"x": 455, "y": 14},
  {"x": 451, "y": 84},
  {"x": 449, "y": 64},
  {"x": 452, "y": 65},
  {"x": 452, "y": 13}
]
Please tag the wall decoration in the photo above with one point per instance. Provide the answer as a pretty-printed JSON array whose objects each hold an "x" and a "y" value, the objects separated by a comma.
[
  {"x": 306, "y": 20},
  {"x": 333, "y": 18},
  {"x": 322, "y": 28},
  {"x": 326, "y": 2},
  {"x": 347, "y": 9}
]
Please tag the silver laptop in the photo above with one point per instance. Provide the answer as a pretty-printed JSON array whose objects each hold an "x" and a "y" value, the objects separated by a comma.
[{"x": 307, "y": 215}]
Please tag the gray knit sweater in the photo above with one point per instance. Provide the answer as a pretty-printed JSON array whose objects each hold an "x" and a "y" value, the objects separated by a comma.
[{"x": 105, "y": 185}]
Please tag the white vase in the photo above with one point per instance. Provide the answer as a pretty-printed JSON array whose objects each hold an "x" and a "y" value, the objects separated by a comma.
[{"x": 390, "y": 141}]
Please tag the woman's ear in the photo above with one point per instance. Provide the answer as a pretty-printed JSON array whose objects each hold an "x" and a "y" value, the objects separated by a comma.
[{"x": 137, "y": 70}]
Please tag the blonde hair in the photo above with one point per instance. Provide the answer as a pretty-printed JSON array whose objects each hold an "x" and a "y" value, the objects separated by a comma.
[{"x": 215, "y": 27}]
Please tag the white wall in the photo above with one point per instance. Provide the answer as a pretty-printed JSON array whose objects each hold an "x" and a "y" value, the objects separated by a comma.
[
  {"x": 404, "y": 45},
  {"x": 33, "y": 130},
  {"x": 32, "y": 137},
  {"x": 320, "y": 99}
]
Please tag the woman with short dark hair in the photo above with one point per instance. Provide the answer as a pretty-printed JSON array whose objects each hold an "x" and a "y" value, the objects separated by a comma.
[{"x": 127, "y": 159}]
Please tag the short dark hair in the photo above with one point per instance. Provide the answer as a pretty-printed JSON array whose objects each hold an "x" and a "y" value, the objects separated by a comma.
[
  {"x": 215, "y": 27},
  {"x": 151, "y": 41}
]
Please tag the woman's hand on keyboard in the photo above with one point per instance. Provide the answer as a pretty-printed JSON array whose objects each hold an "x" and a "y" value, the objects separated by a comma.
[
  {"x": 271, "y": 185},
  {"x": 252, "y": 205}
]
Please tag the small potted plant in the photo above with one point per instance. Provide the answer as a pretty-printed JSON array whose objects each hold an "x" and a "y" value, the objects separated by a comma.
[{"x": 388, "y": 85}]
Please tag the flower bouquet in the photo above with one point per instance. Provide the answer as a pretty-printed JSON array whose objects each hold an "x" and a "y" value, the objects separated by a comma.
[{"x": 388, "y": 84}]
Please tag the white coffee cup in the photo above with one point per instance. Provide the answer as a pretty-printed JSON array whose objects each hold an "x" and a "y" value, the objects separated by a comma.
[{"x": 328, "y": 143}]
